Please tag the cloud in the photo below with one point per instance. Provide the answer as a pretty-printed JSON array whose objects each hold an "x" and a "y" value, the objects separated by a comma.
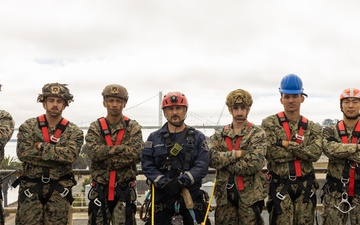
[{"x": 202, "y": 48}]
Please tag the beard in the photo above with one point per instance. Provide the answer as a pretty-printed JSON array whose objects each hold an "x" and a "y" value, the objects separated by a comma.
[{"x": 54, "y": 112}]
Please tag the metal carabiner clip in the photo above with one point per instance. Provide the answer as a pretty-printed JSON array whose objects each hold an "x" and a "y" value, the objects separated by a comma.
[
  {"x": 229, "y": 186},
  {"x": 45, "y": 180},
  {"x": 65, "y": 192},
  {"x": 280, "y": 196},
  {"x": 28, "y": 193},
  {"x": 344, "y": 200},
  {"x": 292, "y": 178},
  {"x": 299, "y": 137},
  {"x": 54, "y": 139}
]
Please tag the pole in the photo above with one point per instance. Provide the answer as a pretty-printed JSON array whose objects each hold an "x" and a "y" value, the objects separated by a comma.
[{"x": 160, "y": 111}]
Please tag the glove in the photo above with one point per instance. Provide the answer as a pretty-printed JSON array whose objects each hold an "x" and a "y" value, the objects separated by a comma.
[{"x": 172, "y": 187}]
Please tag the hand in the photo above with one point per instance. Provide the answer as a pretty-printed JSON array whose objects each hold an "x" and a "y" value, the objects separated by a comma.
[
  {"x": 172, "y": 187},
  {"x": 37, "y": 145}
]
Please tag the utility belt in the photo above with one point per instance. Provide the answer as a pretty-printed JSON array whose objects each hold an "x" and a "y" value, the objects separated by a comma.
[
  {"x": 275, "y": 180},
  {"x": 122, "y": 194},
  {"x": 39, "y": 187}
]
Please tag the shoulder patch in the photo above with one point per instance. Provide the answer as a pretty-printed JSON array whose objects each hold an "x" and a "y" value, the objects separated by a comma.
[
  {"x": 148, "y": 144},
  {"x": 205, "y": 146}
]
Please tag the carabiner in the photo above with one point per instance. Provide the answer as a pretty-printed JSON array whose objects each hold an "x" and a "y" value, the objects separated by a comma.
[{"x": 344, "y": 200}]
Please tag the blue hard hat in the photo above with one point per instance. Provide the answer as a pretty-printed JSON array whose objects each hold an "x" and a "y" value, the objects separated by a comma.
[{"x": 291, "y": 84}]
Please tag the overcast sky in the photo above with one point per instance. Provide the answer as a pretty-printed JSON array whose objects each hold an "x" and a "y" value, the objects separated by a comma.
[{"x": 203, "y": 48}]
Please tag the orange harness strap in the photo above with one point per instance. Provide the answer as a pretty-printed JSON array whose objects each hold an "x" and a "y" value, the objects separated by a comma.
[{"x": 105, "y": 129}]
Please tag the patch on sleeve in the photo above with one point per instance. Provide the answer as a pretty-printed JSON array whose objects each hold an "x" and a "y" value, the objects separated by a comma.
[
  {"x": 205, "y": 146},
  {"x": 148, "y": 144}
]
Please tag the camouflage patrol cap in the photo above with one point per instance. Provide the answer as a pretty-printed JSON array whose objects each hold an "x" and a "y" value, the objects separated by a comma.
[
  {"x": 115, "y": 90},
  {"x": 239, "y": 96},
  {"x": 56, "y": 90}
]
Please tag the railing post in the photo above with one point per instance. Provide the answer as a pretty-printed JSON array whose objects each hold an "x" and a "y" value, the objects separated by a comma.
[{"x": 70, "y": 222}]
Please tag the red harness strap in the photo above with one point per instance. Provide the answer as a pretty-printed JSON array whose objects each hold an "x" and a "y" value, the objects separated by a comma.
[
  {"x": 299, "y": 137},
  {"x": 45, "y": 131},
  {"x": 109, "y": 142},
  {"x": 237, "y": 147},
  {"x": 345, "y": 140}
]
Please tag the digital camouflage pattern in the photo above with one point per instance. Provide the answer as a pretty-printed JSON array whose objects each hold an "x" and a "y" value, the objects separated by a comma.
[
  {"x": 118, "y": 216},
  {"x": 249, "y": 167},
  {"x": 307, "y": 152},
  {"x": 238, "y": 96},
  {"x": 7, "y": 125},
  {"x": 338, "y": 154},
  {"x": 56, "y": 90},
  {"x": 58, "y": 158},
  {"x": 30, "y": 211},
  {"x": 122, "y": 158},
  {"x": 278, "y": 158},
  {"x": 297, "y": 213}
]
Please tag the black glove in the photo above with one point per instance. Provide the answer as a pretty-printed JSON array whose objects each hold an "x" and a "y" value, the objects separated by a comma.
[{"x": 172, "y": 187}]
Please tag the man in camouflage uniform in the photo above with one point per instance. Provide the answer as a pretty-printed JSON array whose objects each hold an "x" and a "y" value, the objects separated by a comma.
[
  {"x": 47, "y": 146},
  {"x": 238, "y": 154},
  {"x": 176, "y": 159},
  {"x": 293, "y": 144},
  {"x": 114, "y": 144},
  {"x": 341, "y": 144},
  {"x": 6, "y": 131}
]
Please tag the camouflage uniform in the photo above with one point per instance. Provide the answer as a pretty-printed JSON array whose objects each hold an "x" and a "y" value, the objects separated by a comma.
[
  {"x": 46, "y": 170},
  {"x": 338, "y": 154},
  {"x": 309, "y": 151},
  {"x": 249, "y": 167},
  {"x": 6, "y": 131},
  {"x": 121, "y": 158},
  {"x": 341, "y": 192}
]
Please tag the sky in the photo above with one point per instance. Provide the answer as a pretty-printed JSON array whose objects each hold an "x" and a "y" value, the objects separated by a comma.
[{"x": 202, "y": 48}]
